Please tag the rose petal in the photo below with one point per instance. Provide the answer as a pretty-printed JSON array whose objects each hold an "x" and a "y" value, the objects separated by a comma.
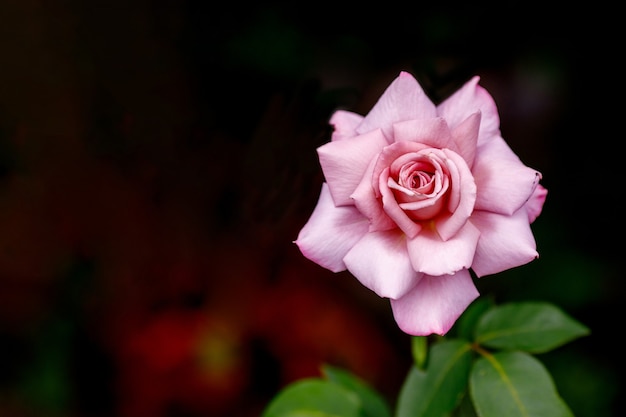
[
  {"x": 534, "y": 206},
  {"x": 434, "y": 304},
  {"x": 505, "y": 242},
  {"x": 393, "y": 210},
  {"x": 465, "y": 138},
  {"x": 432, "y": 132},
  {"x": 433, "y": 256},
  {"x": 462, "y": 197},
  {"x": 331, "y": 232},
  {"x": 344, "y": 162},
  {"x": 380, "y": 262},
  {"x": 389, "y": 155},
  {"x": 369, "y": 205},
  {"x": 504, "y": 183},
  {"x": 467, "y": 100},
  {"x": 344, "y": 124},
  {"x": 404, "y": 99}
]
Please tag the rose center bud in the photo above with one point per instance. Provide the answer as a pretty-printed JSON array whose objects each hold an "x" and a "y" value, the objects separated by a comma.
[{"x": 419, "y": 186}]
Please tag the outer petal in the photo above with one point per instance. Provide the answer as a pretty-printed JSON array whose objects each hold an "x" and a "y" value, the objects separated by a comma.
[
  {"x": 465, "y": 137},
  {"x": 345, "y": 161},
  {"x": 504, "y": 183},
  {"x": 344, "y": 123},
  {"x": 534, "y": 206},
  {"x": 434, "y": 304},
  {"x": 381, "y": 262},
  {"x": 467, "y": 100},
  {"x": 432, "y": 132},
  {"x": 404, "y": 99},
  {"x": 431, "y": 255},
  {"x": 505, "y": 242},
  {"x": 331, "y": 232}
]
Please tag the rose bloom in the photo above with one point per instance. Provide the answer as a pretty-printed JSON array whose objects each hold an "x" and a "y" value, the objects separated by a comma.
[{"x": 416, "y": 195}]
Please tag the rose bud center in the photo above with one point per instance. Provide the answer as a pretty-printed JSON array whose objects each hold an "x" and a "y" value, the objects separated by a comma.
[{"x": 419, "y": 185}]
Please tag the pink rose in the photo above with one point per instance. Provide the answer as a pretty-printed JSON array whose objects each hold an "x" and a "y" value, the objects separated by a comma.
[{"x": 416, "y": 194}]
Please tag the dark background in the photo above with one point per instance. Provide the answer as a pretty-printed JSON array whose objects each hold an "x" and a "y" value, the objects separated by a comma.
[{"x": 157, "y": 159}]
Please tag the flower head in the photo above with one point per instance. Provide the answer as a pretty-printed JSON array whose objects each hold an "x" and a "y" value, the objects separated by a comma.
[{"x": 416, "y": 195}]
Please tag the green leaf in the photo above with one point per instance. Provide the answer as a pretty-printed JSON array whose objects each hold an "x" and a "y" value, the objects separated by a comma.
[
  {"x": 466, "y": 324},
  {"x": 419, "y": 350},
  {"x": 314, "y": 397},
  {"x": 534, "y": 327},
  {"x": 372, "y": 402},
  {"x": 514, "y": 384},
  {"x": 465, "y": 408},
  {"x": 307, "y": 413},
  {"x": 411, "y": 394},
  {"x": 437, "y": 390}
]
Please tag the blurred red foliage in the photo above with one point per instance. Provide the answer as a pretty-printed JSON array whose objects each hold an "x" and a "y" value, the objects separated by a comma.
[{"x": 146, "y": 258}]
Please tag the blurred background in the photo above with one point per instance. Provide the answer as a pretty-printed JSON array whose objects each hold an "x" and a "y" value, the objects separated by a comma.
[{"x": 157, "y": 160}]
